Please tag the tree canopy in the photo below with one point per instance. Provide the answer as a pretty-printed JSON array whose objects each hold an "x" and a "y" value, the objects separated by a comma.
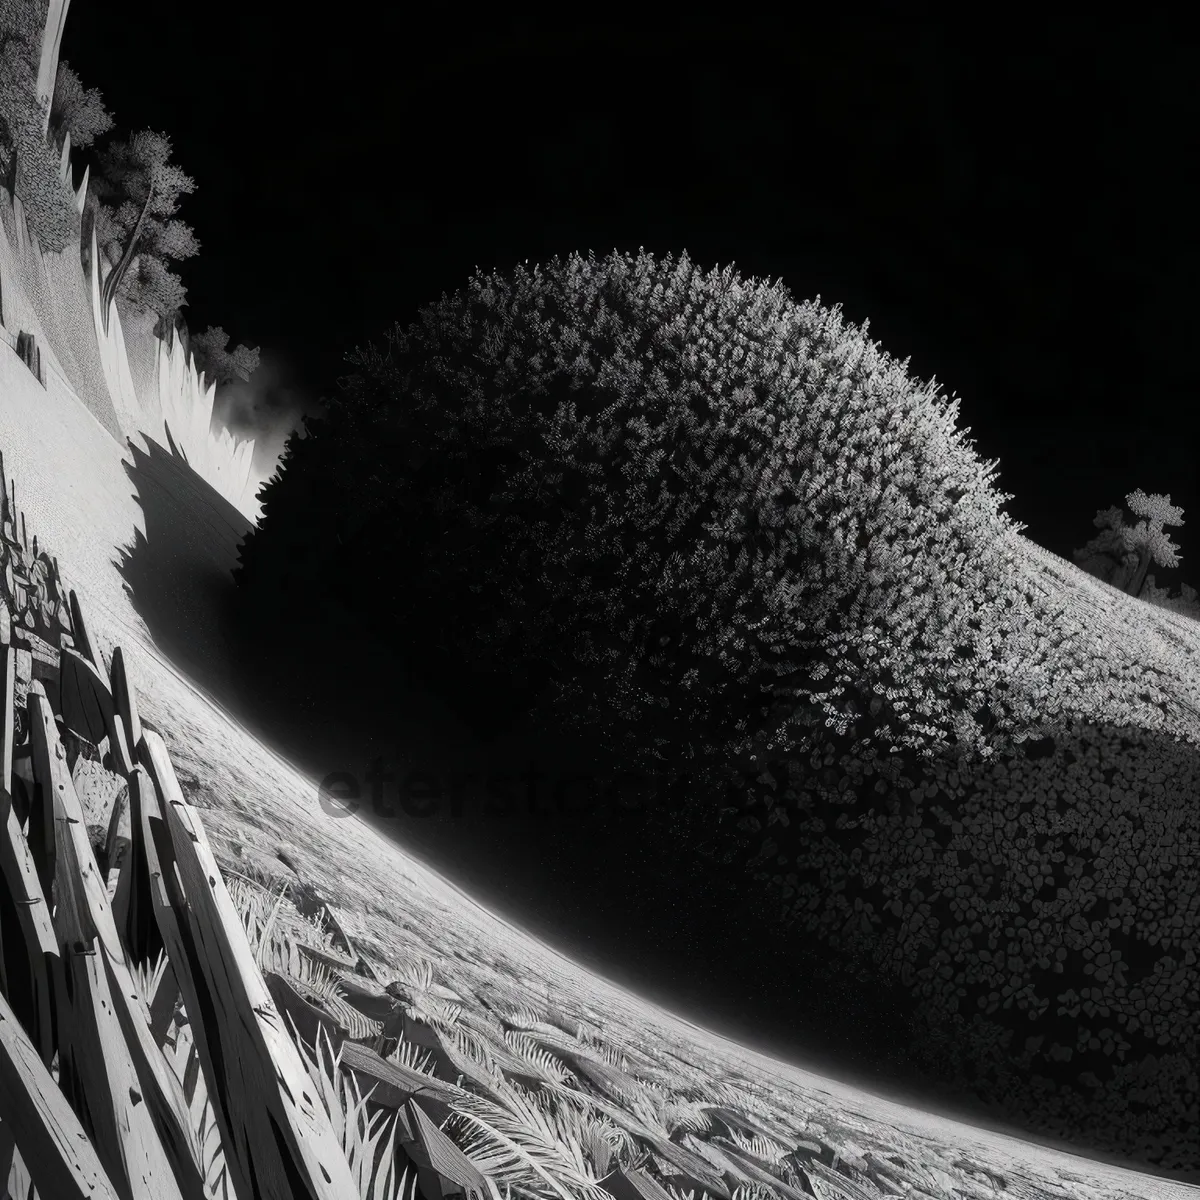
[{"x": 1121, "y": 554}]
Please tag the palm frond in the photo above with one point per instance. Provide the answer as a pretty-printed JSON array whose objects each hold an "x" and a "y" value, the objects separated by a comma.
[
  {"x": 148, "y": 975},
  {"x": 525, "y": 1017},
  {"x": 753, "y": 1191},
  {"x": 541, "y": 1062},
  {"x": 416, "y": 974},
  {"x": 368, "y": 1140},
  {"x": 409, "y": 1054},
  {"x": 520, "y": 1142}
]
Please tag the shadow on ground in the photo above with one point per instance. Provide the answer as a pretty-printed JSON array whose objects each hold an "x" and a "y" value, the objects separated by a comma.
[
  {"x": 615, "y": 888},
  {"x": 607, "y": 888},
  {"x": 178, "y": 574}
]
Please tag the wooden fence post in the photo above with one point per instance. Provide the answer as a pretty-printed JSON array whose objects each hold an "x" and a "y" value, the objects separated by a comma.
[
  {"x": 61, "y": 1160},
  {"x": 274, "y": 1129},
  {"x": 24, "y": 901},
  {"x": 84, "y": 902}
]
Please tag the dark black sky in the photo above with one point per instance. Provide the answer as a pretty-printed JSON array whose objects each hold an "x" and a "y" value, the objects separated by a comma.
[{"x": 1019, "y": 219}]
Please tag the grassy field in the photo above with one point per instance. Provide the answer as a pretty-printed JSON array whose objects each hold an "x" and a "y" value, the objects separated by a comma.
[{"x": 608, "y": 1077}]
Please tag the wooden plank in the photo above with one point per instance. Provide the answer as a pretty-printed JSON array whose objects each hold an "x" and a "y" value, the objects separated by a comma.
[
  {"x": 16, "y": 863},
  {"x": 395, "y": 1085},
  {"x": 121, "y": 760},
  {"x": 432, "y": 1150},
  {"x": 116, "y": 845},
  {"x": 308, "y": 1019},
  {"x": 133, "y": 899},
  {"x": 40, "y": 823},
  {"x": 28, "y": 981},
  {"x": 163, "y": 1003},
  {"x": 61, "y": 1160},
  {"x": 8, "y": 1149},
  {"x": 79, "y": 633},
  {"x": 159, "y": 1088},
  {"x": 84, "y": 696},
  {"x": 277, "y": 1136},
  {"x": 125, "y": 702},
  {"x": 7, "y": 681},
  {"x": 191, "y": 1074},
  {"x": 92, "y": 1050}
]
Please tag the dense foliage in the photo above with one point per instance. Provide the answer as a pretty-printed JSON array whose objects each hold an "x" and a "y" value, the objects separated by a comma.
[
  {"x": 29, "y": 165},
  {"x": 132, "y": 189},
  {"x": 674, "y": 508},
  {"x": 217, "y": 364}
]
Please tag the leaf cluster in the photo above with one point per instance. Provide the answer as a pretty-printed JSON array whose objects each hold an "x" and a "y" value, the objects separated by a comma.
[
  {"x": 216, "y": 363},
  {"x": 670, "y": 508},
  {"x": 77, "y": 111}
]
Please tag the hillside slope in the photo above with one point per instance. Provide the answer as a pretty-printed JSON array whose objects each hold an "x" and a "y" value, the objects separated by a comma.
[
  {"x": 129, "y": 380},
  {"x": 974, "y": 779},
  {"x": 73, "y": 484}
]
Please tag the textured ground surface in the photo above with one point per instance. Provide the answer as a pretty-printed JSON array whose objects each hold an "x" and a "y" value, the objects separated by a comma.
[{"x": 77, "y": 492}]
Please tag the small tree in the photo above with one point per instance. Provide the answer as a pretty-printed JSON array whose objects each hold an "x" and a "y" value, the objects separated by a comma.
[
  {"x": 136, "y": 234},
  {"x": 1122, "y": 554},
  {"x": 218, "y": 364}
]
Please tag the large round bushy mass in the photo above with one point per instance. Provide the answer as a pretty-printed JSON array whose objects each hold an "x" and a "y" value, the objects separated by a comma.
[
  {"x": 676, "y": 506},
  {"x": 734, "y": 537}
]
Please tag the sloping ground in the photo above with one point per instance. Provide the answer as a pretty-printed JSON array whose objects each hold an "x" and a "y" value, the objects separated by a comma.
[
  {"x": 73, "y": 484},
  {"x": 128, "y": 379},
  {"x": 53, "y": 305}
]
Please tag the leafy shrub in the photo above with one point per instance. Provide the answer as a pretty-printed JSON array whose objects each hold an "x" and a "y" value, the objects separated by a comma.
[
  {"x": 1120, "y": 554},
  {"x": 673, "y": 508},
  {"x": 77, "y": 110},
  {"x": 218, "y": 364}
]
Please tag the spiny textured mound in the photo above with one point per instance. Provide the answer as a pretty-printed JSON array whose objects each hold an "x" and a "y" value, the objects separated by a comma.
[
  {"x": 737, "y": 538},
  {"x": 692, "y": 504}
]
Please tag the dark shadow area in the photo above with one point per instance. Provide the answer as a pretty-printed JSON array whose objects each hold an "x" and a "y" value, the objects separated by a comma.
[
  {"x": 177, "y": 575},
  {"x": 619, "y": 887},
  {"x": 606, "y": 887}
]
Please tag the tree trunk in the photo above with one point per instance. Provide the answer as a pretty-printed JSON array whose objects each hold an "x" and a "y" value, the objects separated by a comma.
[
  {"x": 118, "y": 272},
  {"x": 11, "y": 182},
  {"x": 1134, "y": 586}
]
